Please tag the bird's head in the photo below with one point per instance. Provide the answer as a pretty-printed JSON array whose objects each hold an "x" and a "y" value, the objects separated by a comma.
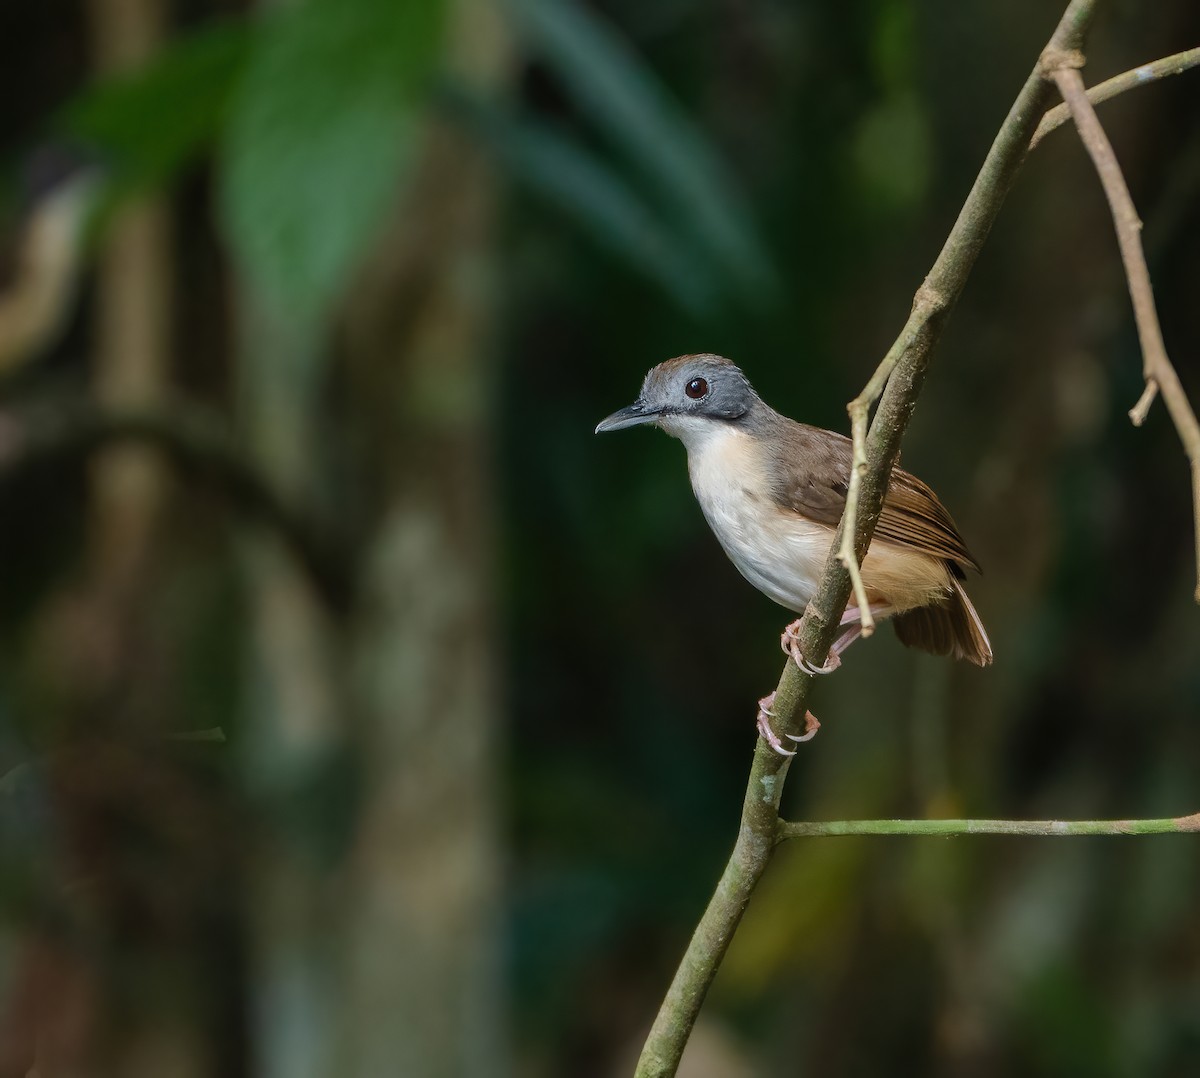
[{"x": 687, "y": 397}]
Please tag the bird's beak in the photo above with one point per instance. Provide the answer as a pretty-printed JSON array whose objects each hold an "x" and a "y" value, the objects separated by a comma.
[{"x": 637, "y": 413}]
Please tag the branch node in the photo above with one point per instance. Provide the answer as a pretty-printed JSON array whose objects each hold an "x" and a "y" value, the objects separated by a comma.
[
  {"x": 1055, "y": 59},
  {"x": 929, "y": 299},
  {"x": 1175, "y": 64}
]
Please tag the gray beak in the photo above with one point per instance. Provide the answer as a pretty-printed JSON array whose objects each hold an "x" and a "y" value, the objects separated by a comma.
[{"x": 636, "y": 414}]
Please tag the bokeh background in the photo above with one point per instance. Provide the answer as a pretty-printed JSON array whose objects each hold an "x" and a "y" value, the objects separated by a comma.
[{"x": 362, "y": 714}]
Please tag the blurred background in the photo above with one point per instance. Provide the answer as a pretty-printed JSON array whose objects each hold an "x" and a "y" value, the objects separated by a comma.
[{"x": 362, "y": 714}]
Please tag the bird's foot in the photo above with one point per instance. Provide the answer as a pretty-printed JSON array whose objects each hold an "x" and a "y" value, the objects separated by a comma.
[
  {"x": 790, "y": 643},
  {"x": 811, "y": 726},
  {"x": 764, "y": 726}
]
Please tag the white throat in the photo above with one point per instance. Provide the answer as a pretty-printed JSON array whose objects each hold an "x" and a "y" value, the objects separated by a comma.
[{"x": 780, "y": 553}]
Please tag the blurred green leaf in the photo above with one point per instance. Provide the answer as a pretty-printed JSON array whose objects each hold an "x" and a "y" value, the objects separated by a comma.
[
  {"x": 150, "y": 123},
  {"x": 590, "y": 192},
  {"x": 321, "y": 132},
  {"x": 624, "y": 98},
  {"x": 893, "y": 152}
]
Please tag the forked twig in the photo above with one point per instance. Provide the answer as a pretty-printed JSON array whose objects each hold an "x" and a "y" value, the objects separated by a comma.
[{"x": 1156, "y": 71}]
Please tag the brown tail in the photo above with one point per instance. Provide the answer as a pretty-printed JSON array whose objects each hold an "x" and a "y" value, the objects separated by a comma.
[{"x": 951, "y": 628}]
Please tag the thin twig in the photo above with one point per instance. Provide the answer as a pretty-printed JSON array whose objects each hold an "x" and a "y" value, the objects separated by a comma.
[
  {"x": 903, "y": 376},
  {"x": 924, "y": 306},
  {"x": 827, "y": 829},
  {"x": 1175, "y": 64},
  {"x": 1140, "y": 410},
  {"x": 1062, "y": 67},
  {"x": 846, "y": 555}
]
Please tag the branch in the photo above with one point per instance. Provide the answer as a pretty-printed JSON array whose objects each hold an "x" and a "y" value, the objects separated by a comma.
[
  {"x": 195, "y": 443},
  {"x": 1176, "y": 64},
  {"x": 898, "y": 380},
  {"x": 859, "y": 408},
  {"x": 1063, "y": 67},
  {"x": 925, "y": 304},
  {"x": 1171, "y": 825}
]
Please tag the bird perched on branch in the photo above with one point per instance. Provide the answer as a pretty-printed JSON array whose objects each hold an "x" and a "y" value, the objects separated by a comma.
[{"x": 773, "y": 491}]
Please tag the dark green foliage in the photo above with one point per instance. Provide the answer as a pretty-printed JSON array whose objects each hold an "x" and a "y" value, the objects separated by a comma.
[
  {"x": 322, "y": 128},
  {"x": 148, "y": 125},
  {"x": 768, "y": 180}
]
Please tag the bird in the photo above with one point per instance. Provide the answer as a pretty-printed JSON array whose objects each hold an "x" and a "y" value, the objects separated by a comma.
[{"x": 773, "y": 491}]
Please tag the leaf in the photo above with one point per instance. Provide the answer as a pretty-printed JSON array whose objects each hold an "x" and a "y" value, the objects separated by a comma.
[
  {"x": 149, "y": 123},
  {"x": 892, "y": 152},
  {"x": 622, "y": 96},
  {"x": 319, "y": 139},
  {"x": 591, "y": 193}
]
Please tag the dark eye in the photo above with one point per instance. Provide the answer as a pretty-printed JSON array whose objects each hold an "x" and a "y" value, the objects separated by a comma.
[{"x": 696, "y": 388}]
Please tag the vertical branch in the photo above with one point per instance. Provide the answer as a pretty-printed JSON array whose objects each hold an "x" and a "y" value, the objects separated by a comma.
[
  {"x": 133, "y": 331},
  {"x": 859, "y": 410},
  {"x": 98, "y": 655},
  {"x": 1063, "y": 67},
  {"x": 900, "y": 379}
]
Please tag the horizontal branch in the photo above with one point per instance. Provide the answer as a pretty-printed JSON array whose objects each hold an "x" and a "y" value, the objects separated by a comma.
[
  {"x": 194, "y": 442},
  {"x": 827, "y": 829},
  {"x": 1175, "y": 64}
]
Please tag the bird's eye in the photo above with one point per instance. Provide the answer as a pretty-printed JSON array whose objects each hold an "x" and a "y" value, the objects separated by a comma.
[{"x": 696, "y": 389}]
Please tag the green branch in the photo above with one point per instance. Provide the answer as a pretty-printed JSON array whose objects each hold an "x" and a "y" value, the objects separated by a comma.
[
  {"x": 902, "y": 372},
  {"x": 1172, "y": 825}
]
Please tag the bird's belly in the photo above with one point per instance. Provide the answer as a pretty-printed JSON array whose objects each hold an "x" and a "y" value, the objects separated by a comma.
[
  {"x": 782, "y": 556},
  {"x": 782, "y": 553}
]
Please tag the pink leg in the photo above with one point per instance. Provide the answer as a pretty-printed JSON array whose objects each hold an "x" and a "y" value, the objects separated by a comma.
[
  {"x": 790, "y": 641},
  {"x": 811, "y": 726}
]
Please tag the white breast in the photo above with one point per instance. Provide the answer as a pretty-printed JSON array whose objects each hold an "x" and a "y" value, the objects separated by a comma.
[{"x": 780, "y": 553}]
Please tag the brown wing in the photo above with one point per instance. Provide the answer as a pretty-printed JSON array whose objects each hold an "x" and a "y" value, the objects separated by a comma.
[{"x": 912, "y": 515}]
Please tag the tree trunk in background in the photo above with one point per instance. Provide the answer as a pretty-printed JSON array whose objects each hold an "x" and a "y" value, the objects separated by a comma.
[
  {"x": 133, "y": 331},
  {"x": 388, "y": 963},
  {"x": 133, "y": 341},
  {"x": 423, "y": 989},
  {"x": 94, "y": 649}
]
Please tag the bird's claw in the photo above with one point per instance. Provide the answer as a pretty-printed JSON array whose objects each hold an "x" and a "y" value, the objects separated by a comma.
[
  {"x": 811, "y": 726},
  {"x": 831, "y": 664},
  {"x": 790, "y": 643},
  {"x": 764, "y": 726}
]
